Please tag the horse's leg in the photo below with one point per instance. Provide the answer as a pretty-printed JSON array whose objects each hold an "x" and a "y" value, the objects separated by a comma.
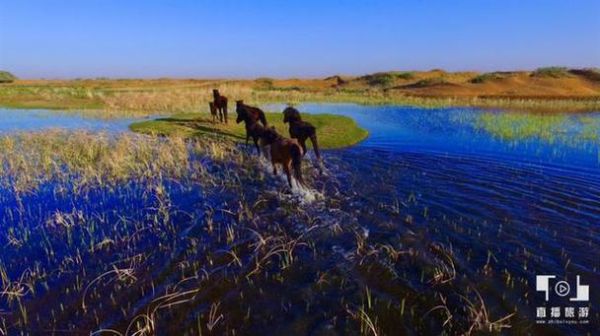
[
  {"x": 221, "y": 114},
  {"x": 225, "y": 113},
  {"x": 286, "y": 168},
  {"x": 313, "y": 139},
  {"x": 255, "y": 138},
  {"x": 274, "y": 166},
  {"x": 303, "y": 145}
]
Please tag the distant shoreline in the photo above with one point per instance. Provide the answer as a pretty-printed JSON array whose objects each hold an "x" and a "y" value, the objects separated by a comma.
[{"x": 545, "y": 89}]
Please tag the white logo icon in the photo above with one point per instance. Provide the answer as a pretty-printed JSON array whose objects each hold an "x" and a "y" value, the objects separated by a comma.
[
  {"x": 562, "y": 288},
  {"x": 583, "y": 292}
]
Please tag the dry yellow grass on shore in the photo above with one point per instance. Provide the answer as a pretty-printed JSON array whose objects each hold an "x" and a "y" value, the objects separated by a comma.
[{"x": 553, "y": 89}]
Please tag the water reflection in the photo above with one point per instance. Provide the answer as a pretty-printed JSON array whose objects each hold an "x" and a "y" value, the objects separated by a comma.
[{"x": 14, "y": 120}]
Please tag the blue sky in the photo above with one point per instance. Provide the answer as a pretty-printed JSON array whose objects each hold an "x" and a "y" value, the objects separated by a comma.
[{"x": 288, "y": 38}]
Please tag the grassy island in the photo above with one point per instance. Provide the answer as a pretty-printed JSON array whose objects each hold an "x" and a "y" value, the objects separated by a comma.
[{"x": 333, "y": 131}]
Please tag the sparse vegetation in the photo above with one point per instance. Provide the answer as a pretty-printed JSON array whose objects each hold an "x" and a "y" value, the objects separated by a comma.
[
  {"x": 387, "y": 78},
  {"x": 128, "y": 97},
  {"x": 592, "y": 74},
  {"x": 6, "y": 77},
  {"x": 430, "y": 82},
  {"x": 380, "y": 79},
  {"x": 486, "y": 77},
  {"x": 265, "y": 83},
  {"x": 553, "y": 72},
  {"x": 206, "y": 231}
]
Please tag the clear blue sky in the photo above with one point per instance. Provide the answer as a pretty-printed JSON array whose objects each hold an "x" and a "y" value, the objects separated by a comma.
[{"x": 288, "y": 38}]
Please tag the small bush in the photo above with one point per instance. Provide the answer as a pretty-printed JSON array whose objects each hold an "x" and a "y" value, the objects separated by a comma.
[
  {"x": 405, "y": 75},
  {"x": 265, "y": 82},
  {"x": 387, "y": 78},
  {"x": 380, "y": 79},
  {"x": 431, "y": 82},
  {"x": 554, "y": 72},
  {"x": 489, "y": 76},
  {"x": 7, "y": 77},
  {"x": 591, "y": 74}
]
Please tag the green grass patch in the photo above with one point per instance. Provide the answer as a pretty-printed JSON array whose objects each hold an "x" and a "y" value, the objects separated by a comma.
[
  {"x": 333, "y": 131},
  {"x": 486, "y": 77},
  {"x": 553, "y": 72},
  {"x": 430, "y": 82},
  {"x": 387, "y": 78},
  {"x": 7, "y": 77}
]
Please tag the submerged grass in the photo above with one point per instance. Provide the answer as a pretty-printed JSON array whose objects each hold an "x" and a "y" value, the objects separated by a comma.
[
  {"x": 550, "y": 128},
  {"x": 137, "y": 235}
]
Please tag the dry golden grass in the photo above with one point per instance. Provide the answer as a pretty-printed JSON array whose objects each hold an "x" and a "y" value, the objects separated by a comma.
[{"x": 574, "y": 90}]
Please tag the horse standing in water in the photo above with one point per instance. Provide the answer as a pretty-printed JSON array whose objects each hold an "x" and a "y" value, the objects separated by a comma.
[
  {"x": 286, "y": 152},
  {"x": 220, "y": 103},
  {"x": 301, "y": 130},
  {"x": 253, "y": 128}
]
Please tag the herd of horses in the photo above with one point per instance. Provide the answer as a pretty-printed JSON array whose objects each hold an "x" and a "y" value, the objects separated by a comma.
[{"x": 287, "y": 152}]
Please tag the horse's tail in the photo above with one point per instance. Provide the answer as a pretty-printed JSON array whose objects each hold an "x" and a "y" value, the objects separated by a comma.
[
  {"x": 263, "y": 119},
  {"x": 296, "y": 152}
]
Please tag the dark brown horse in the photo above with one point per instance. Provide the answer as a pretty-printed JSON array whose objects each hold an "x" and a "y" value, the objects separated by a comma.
[
  {"x": 220, "y": 103},
  {"x": 213, "y": 111},
  {"x": 253, "y": 128},
  {"x": 301, "y": 130},
  {"x": 253, "y": 112},
  {"x": 286, "y": 152}
]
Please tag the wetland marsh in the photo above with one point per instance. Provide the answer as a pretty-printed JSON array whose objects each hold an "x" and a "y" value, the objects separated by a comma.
[{"x": 437, "y": 222}]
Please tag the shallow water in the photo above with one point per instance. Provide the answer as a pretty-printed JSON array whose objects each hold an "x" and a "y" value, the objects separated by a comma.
[
  {"x": 507, "y": 196},
  {"x": 566, "y": 139},
  {"x": 483, "y": 182},
  {"x": 14, "y": 120}
]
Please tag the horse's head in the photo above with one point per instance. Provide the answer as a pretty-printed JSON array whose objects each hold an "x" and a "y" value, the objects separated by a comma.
[
  {"x": 290, "y": 114},
  {"x": 240, "y": 117},
  {"x": 242, "y": 114},
  {"x": 216, "y": 93},
  {"x": 239, "y": 108}
]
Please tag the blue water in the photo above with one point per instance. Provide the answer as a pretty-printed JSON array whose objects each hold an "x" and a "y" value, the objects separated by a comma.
[
  {"x": 14, "y": 120},
  {"x": 523, "y": 203},
  {"x": 458, "y": 131},
  {"x": 529, "y": 198}
]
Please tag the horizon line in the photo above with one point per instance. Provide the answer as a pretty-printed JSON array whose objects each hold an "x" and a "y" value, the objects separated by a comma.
[{"x": 278, "y": 77}]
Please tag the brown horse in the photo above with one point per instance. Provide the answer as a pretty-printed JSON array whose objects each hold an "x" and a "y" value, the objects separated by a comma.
[
  {"x": 213, "y": 111},
  {"x": 253, "y": 128},
  {"x": 220, "y": 103},
  {"x": 301, "y": 130},
  {"x": 253, "y": 112},
  {"x": 286, "y": 152}
]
